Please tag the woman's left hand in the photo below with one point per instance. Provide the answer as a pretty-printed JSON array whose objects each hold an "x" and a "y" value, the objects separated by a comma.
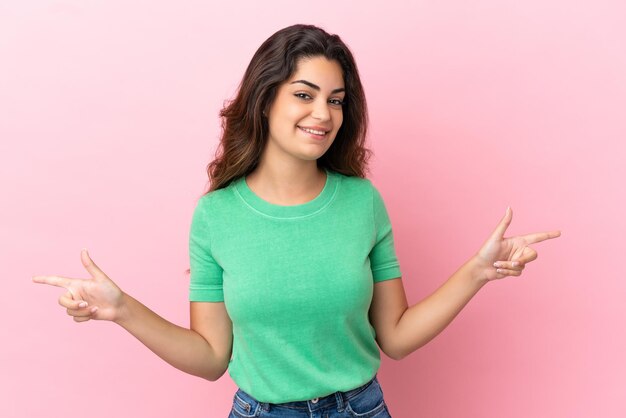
[{"x": 500, "y": 257}]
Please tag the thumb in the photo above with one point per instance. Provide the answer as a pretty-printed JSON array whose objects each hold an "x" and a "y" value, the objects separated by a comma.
[
  {"x": 498, "y": 233},
  {"x": 88, "y": 263}
]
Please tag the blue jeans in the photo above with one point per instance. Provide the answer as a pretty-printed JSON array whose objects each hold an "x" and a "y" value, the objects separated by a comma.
[{"x": 363, "y": 402}]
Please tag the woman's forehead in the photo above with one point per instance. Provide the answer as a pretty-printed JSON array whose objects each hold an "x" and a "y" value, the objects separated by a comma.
[{"x": 318, "y": 70}]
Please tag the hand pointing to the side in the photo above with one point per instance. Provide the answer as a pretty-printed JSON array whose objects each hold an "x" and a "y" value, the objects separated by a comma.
[
  {"x": 94, "y": 298},
  {"x": 501, "y": 257}
]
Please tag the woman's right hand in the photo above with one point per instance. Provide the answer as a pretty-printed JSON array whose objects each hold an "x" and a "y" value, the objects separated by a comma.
[{"x": 85, "y": 299}]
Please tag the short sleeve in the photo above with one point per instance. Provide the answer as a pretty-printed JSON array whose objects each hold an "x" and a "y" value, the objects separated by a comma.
[
  {"x": 206, "y": 274},
  {"x": 383, "y": 259}
]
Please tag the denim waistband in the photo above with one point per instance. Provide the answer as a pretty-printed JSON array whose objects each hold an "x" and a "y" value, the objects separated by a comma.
[{"x": 338, "y": 398}]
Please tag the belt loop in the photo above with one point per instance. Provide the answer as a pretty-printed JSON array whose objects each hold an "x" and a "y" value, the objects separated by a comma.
[
  {"x": 265, "y": 406},
  {"x": 340, "y": 401}
]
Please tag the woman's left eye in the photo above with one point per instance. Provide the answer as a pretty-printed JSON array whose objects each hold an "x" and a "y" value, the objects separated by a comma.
[{"x": 307, "y": 97}]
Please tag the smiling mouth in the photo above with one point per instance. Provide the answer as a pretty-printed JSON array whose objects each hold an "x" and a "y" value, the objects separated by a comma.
[{"x": 314, "y": 132}]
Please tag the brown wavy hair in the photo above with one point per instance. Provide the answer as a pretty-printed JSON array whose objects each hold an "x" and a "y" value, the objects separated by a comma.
[{"x": 245, "y": 128}]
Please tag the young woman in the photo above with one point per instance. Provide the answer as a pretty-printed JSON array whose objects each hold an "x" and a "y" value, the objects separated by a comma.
[{"x": 295, "y": 282}]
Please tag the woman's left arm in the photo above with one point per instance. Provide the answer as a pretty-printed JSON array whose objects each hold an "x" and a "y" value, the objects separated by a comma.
[{"x": 401, "y": 330}]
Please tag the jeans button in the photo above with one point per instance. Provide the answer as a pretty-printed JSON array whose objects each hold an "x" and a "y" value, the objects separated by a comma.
[{"x": 314, "y": 400}]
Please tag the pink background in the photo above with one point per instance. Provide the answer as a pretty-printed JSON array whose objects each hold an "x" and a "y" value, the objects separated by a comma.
[{"x": 108, "y": 117}]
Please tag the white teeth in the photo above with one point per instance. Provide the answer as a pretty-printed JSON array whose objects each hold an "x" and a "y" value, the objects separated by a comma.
[{"x": 313, "y": 131}]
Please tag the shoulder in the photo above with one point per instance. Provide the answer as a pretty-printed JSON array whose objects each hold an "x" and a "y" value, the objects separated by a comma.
[
  {"x": 355, "y": 183},
  {"x": 213, "y": 205},
  {"x": 218, "y": 198},
  {"x": 361, "y": 188}
]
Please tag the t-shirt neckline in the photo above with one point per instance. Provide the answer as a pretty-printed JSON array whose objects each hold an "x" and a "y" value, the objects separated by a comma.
[{"x": 291, "y": 211}]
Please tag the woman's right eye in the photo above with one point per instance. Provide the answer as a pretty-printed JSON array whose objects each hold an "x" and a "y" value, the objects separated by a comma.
[{"x": 302, "y": 96}]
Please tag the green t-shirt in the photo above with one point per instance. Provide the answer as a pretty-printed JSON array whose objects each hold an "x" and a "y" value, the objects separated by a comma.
[{"x": 297, "y": 282}]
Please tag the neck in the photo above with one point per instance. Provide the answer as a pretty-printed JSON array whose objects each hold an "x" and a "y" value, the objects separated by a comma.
[{"x": 287, "y": 183}]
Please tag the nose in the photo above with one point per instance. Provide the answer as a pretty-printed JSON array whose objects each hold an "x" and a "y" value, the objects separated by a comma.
[{"x": 321, "y": 111}]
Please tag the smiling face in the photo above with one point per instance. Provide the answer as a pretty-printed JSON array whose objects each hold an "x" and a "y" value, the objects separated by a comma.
[{"x": 307, "y": 111}]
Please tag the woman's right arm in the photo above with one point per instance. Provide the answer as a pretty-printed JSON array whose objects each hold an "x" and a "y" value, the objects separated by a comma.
[{"x": 203, "y": 350}]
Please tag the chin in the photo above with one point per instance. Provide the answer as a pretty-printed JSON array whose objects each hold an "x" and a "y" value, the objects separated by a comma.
[{"x": 311, "y": 158}]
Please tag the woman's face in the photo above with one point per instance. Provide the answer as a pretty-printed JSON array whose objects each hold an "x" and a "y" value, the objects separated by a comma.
[{"x": 307, "y": 110}]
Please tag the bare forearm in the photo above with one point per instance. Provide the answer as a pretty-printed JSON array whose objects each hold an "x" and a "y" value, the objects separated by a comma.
[
  {"x": 426, "y": 319},
  {"x": 183, "y": 348}
]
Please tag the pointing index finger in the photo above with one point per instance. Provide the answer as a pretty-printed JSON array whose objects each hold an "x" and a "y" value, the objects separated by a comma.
[
  {"x": 53, "y": 280},
  {"x": 541, "y": 236}
]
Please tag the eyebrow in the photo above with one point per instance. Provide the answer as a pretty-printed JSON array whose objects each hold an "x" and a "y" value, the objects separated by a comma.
[{"x": 316, "y": 87}]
